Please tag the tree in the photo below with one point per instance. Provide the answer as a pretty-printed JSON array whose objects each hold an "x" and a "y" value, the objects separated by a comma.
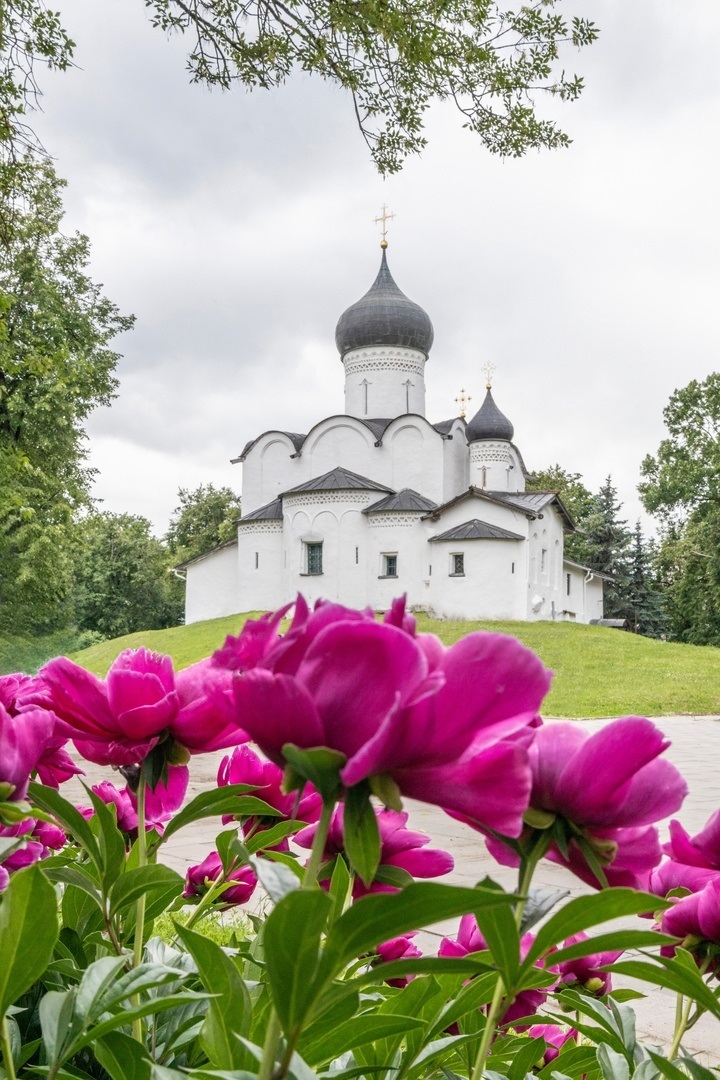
[
  {"x": 205, "y": 518},
  {"x": 644, "y": 601},
  {"x": 607, "y": 542},
  {"x": 393, "y": 58},
  {"x": 681, "y": 485},
  {"x": 56, "y": 365},
  {"x": 123, "y": 581}
]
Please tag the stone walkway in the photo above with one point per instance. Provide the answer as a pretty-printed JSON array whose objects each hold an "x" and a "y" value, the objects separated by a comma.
[{"x": 696, "y": 752}]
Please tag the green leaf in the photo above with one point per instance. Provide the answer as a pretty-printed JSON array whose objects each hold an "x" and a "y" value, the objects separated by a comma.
[
  {"x": 356, "y": 1032},
  {"x": 56, "y": 1012},
  {"x": 292, "y": 950},
  {"x": 111, "y": 841},
  {"x": 539, "y": 903},
  {"x": 267, "y": 838},
  {"x": 276, "y": 879},
  {"x": 478, "y": 992},
  {"x": 133, "y": 884},
  {"x": 123, "y": 1057},
  {"x": 361, "y": 833},
  {"x": 614, "y": 1065},
  {"x": 498, "y": 927},
  {"x": 222, "y": 800},
  {"x": 340, "y": 890},
  {"x": 612, "y": 942},
  {"x": 71, "y": 819},
  {"x": 319, "y": 766},
  {"x": 585, "y": 912},
  {"x": 393, "y": 875},
  {"x": 668, "y": 1069},
  {"x": 671, "y": 974},
  {"x": 229, "y": 1009},
  {"x": 28, "y": 932},
  {"x": 381, "y": 916}
]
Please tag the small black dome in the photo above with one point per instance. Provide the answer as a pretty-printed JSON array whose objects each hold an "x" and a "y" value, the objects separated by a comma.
[
  {"x": 384, "y": 316},
  {"x": 489, "y": 423}
]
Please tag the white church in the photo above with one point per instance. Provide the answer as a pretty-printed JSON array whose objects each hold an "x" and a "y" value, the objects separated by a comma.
[{"x": 378, "y": 500}]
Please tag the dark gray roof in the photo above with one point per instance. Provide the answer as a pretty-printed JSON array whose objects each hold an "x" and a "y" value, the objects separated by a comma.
[
  {"x": 338, "y": 479},
  {"x": 376, "y": 426},
  {"x": 444, "y": 427},
  {"x": 406, "y": 499},
  {"x": 272, "y": 511},
  {"x": 588, "y": 570},
  {"x": 534, "y": 502},
  {"x": 295, "y": 438},
  {"x": 476, "y": 530},
  {"x": 384, "y": 316},
  {"x": 489, "y": 423}
]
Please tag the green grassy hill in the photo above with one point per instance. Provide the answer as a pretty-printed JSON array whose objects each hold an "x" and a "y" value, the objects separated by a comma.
[{"x": 598, "y": 671}]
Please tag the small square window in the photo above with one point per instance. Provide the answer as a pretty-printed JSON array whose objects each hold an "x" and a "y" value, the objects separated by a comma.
[
  {"x": 313, "y": 558},
  {"x": 457, "y": 564},
  {"x": 390, "y": 565}
]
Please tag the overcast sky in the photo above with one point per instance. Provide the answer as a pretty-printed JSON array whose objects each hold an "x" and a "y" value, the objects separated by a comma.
[{"x": 238, "y": 227}]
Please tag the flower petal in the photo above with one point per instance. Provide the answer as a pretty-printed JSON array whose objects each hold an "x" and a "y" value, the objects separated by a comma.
[{"x": 274, "y": 710}]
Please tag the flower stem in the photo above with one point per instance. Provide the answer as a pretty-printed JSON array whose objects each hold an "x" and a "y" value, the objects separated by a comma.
[
  {"x": 318, "y": 847},
  {"x": 140, "y": 906},
  {"x": 527, "y": 869},
  {"x": 682, "y": 1016},
  {"x": 270, "y": 1048},
  {"x": 7, "y": 1050}
]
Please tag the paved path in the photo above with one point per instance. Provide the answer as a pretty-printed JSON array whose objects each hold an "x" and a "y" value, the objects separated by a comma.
[{"x": 696, "y": 752}]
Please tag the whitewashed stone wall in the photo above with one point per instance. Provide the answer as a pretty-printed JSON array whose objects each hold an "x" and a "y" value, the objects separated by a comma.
[
  {"x": 211, "y": 586},
  {"x": 384, "y": 381}
]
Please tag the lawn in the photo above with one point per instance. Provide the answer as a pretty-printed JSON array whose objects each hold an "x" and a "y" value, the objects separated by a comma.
[{"x": 598, "y": 671}]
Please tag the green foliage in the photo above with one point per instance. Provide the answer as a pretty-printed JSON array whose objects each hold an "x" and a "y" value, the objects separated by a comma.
[
  {"x": 680, "y": 486},
  {"x": 29, "y": 654},
  {"x": 56, "y": 365},
  {"x": 122, "y": 579},
  {"x": 28, "y": 932},
  {"x": 607, "y": 543},
  {"x": 205, "y": 518},
  {"x": 644, "y": 599}
]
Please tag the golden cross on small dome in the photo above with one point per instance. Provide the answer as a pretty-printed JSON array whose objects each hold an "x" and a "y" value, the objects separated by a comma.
[
  {"x": 462, "y": 402},
  {"x": 488, "y": 371},
  {"x": 384, "y": 218}
]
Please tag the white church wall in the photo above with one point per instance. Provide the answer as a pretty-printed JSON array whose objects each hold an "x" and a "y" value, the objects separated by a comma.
[
  {"x": 211, "y": 585},
  {"x": 505, "y": 517},
  {"x": 340, "y": 441},
  {"x": 495, "y": 466},
  {"x": 491, "y": 587},
  {"x": 384, "y": 381},
  {"x": 456, "y": 476},
  {"x": 266, "y": 470},
  {"x": 546, "y": 585},
  {"x": 335, "y": 520},
  {"x": 259, "y": 563},
  {"x": 400, "y": 536}
]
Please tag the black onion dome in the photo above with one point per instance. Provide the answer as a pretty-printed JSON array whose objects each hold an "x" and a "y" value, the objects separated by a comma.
[
  {"x": 384, "y": 316},
  {"x": 489, "y": 423}
]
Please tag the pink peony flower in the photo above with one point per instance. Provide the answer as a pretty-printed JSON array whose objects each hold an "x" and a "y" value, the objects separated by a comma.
[
  {"x": 160, "y": 804},
  {"x": 200, "y": 878},
  {"x": 671, "y": 875},
  {"x": 399, "y": 847},
  {"x": 584, "y": 973},
  {"x": 23, "y": 738},
  {"x": 440, "y": 722},
  {"x": 555, "y": 1038},
  {"x": 118, "y": 721},
  {"x": 399, "y": 948},
  {"x": 244, "y": 766},
  {"x": 611, "y": 786},
  {"x": 22, "y": 693},
  {"x": 702, "y": 850},
  {"x": 695, "y": 917},
  {"x": 469, "y": 939}
]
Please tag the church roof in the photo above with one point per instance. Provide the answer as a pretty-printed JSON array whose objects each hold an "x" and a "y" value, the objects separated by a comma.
[
  {"x": 295, "y": 438},
  {"x": 444, "y": 427},
  {"x": 489, "y": 423},
  {"x": 476, "y": 530},
  {"x": 406, "y": 499},
  {"x": 272, "y": 511},
  {"x": 338, "y": 479},
  {"x": 534, "y": 502},
  {"x": 384, "y": 316}
]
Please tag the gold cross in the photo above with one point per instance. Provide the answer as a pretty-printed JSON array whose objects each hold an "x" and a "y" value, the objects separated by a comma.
[
  {"x": 488, "y": 371},
  {"x": 462, "y": 401},
  {"x": 384, "y": 218}
]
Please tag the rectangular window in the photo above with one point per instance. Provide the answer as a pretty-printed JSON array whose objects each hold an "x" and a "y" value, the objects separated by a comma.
[
  {"x": 568, "y": 579},
  {"x": 457, "y": 564},
  {"x": 512, "y": 568},
  {"x": 390, "y": 565},
  {"x": 257, "y": 559},
  {"x": 543, "y": 560},
  {"x": 357, "y": 555},
  {"x": 313, "y": 558}
]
